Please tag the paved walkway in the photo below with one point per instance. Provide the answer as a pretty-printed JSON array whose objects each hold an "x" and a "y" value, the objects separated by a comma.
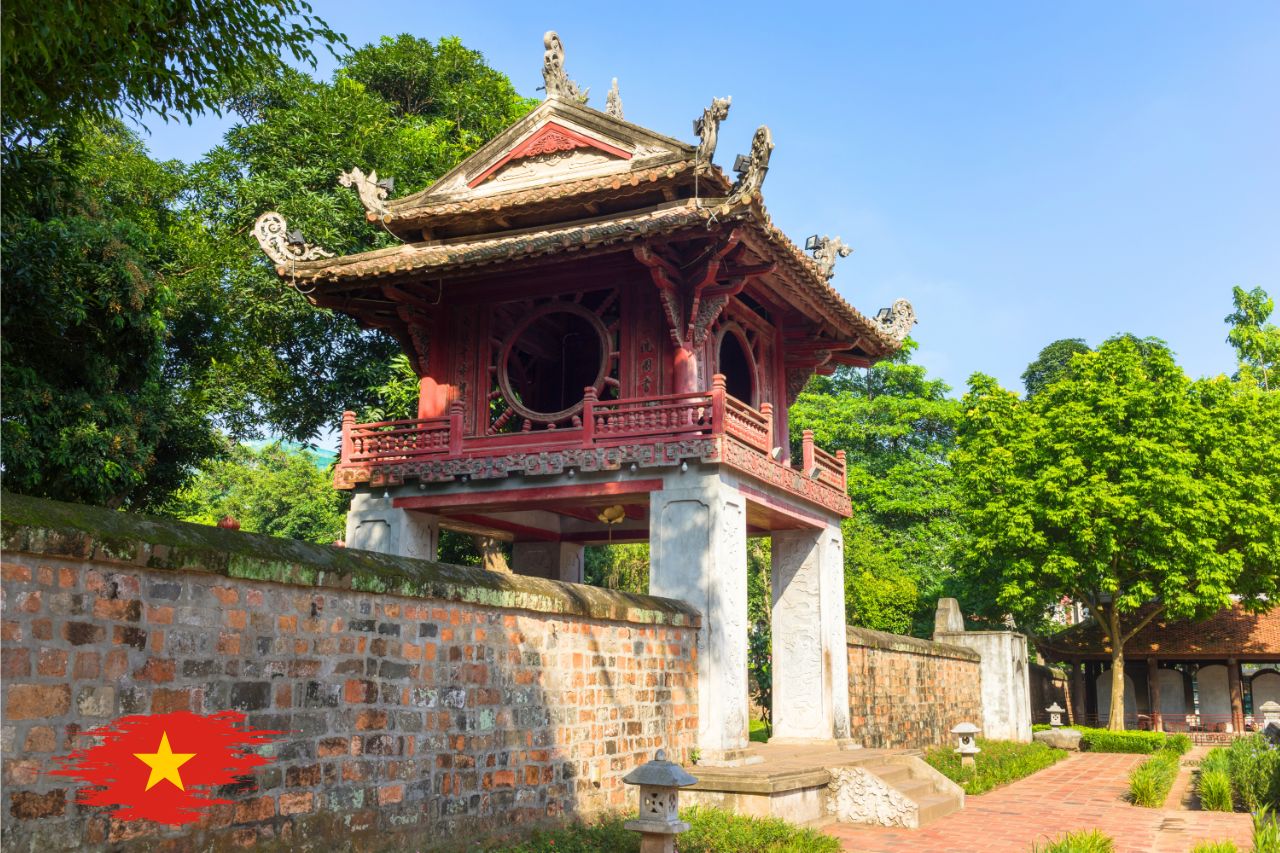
[{"x": 1086, "y": 791}]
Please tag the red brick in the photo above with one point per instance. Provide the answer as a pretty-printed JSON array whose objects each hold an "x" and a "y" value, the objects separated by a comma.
[
  {"x": 117, "y": 663},
  {"x": 356, "y": 691},
  {"x": 21, "y": 772},
  {"x": 504, "y": 779},
  {"x": 159, "y": 615},
  {"x": 42, "y": 629},
  {"x": 14, "y": 572},
  {"x": 41, "y": 739},
  {"x": 28, "y": 805},
  {"x": 66, "y": 578},
  {"x": 37, "y": 701},
  {"x": 87, "y": 665},
  {"x": 165, "y": 700},
  {"x": 261, "y": 808},
  {"x": 52, "y": 662},
  {"x": 156, "y": 670},
  {"x": 331, "y": 746},
  {"x": 10, "y": 632},
  {"x": 298, "y": 803},
  {"x": 390, "y": 794},
  {"x": 15, "y": 662},
  {"x": 226, "y": 595},
  {"x": 371, "y": 719}
]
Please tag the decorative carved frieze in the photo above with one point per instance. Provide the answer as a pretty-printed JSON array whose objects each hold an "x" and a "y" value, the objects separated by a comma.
[
  {"x": 282, "y": 245},
  {"x": 555, "y": 80},
  {"x": 707, "y": 127},
  {"x": 797, "y": 378},
  {"x": 897, "y": 320},
  {"x": 613, "y": 102},
  {"x": 372, "y": 192},
  {"x": 826, "y": 250}
]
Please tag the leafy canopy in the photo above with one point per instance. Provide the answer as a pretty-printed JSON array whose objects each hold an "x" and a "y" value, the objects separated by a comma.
[
  {"x": 1051, "y": 364},
  {"x": 173, "y": 59},
  {"x": 1256, "y": 341}
]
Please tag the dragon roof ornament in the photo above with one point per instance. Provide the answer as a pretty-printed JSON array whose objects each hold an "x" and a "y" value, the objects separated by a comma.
[
  {"x": 707, "y": 127},
  {"x": 554, "y": 78},
  {"x": 751, "y": 168},
  {"x": 373, "y": 193},
  {"x": 613, "y": 102},
  {"x": 282, "y": 245},
  {"x": 825, "y": 251},
  {"x": 896, "y": 321}
]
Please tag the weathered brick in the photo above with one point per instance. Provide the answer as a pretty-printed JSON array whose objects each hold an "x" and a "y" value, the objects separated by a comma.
[
  {"x": 28, "y": 805},
  {"x": 302, "y": 777},
  {"x": 259, "y": 808},
  {"x": 83, "y": 633},
  {"x": 15, "y": 662},
  {"x": 37, "y": 701},
  {"x": 14, "y": 572},
  {"x": 371, "y": 719},
  {"x": 156, "y": 670},
  {"x": 125, "y": 635},
  {"x": 165, "y": 700},
  {"x": 357, "y": 691},
  {"x": 251, "y": 695},
  {"x": 41, "y": 739},
  {"x": 52, "y": 662},
  {"x": 296, "y": 803},
  {"x": 118, "y": 609},
  {"x": 96, "y": 701},
  {"x": 87, "y": 664}
]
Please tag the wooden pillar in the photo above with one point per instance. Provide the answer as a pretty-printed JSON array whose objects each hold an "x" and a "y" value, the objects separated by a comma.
[
  {"x": 1153, "y": 692},
  {"x": 1237, "y": 694},
  {"x": 1077, "y": 693}
]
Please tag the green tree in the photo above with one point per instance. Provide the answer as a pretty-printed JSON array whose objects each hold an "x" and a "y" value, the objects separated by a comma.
[
  {"x": 896, "y": 426},
  {"x": 1051, "y": 364},
  {"x": 276, "y": 490},
  {"x": 93, "y": 409},
  {"x": 72, "y": 61},
  {"x": 1256, "y": 341},
  {"x": 1123, "y": 485}
]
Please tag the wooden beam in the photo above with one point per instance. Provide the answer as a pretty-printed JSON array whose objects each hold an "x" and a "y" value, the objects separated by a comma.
[{"x": 529, "y": 496}]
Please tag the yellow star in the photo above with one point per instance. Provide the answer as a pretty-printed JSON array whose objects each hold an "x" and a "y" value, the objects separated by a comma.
[{"x": 164, "y": 763}]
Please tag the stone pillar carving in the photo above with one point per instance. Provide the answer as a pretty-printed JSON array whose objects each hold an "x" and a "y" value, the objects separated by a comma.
[
  {"x": 698, "y": 553},
  {"x": 810, "y": 662},
  {"x": 373, "y": 524},
  {"x": 557, "y": 561}
]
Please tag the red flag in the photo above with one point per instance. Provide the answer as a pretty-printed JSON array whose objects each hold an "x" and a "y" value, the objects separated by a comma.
[{"x": 163, "y": 767}]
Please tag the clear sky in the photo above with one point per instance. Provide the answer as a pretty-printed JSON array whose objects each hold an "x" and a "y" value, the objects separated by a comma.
[{"x": 1021, "y": 171}]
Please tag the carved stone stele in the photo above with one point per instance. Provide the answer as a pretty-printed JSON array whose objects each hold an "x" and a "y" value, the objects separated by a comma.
[
  {"x": 613, "y": 102},
  {"x": 272, "y": 233},
  {"x": 757, "y": 164},
  {"x": 708, "y": 127},
  {"x": 825, "y": 252},
  {"x": 554, "y": 77},
  {"x": 900, "y": 320},
  {"x": 371, "y": 195}
]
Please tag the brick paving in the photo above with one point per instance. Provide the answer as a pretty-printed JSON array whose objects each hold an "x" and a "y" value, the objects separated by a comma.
[{"x": 1086, "y": 791}]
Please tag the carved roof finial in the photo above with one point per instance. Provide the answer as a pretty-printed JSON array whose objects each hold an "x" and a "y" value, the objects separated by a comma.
[
  {"x": 752, "y": 168},
  {"x": 707, "y": 127},
  {"x": 825, "y": 251},
  {"x": 897, "y": 320},
  {"x": 613, "y": 102},
  {"x": 554, "y": 78},
  {"x": 372, "y": 192},
  {"x": 282, "y": 245}
]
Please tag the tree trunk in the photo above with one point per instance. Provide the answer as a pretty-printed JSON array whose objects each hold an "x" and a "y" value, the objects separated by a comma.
[{"x": 1116, "y": 720}]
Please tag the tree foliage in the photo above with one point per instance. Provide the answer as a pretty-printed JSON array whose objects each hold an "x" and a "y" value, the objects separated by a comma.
[
  {"x": 1124, "y": 485},
  {"x": 896, "y": 426},
  {"x": 275, "y": 490},
  {"x": 1256, "y": 341},
  {"x": 1051, "y": 364},
  {"x": 174, "y": 59}
]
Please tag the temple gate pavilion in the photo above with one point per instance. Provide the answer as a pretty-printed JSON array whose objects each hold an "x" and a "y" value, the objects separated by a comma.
[{"x": 609, "y": 331}]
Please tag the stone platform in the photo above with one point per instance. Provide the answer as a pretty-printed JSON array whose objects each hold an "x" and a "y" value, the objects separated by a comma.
[{"x": 817, "y": 784}]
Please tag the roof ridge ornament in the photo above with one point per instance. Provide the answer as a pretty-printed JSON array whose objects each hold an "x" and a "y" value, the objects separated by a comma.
[
  {"x": 373, "y": 192},
  {"x": 751, "y": 168},
  {"x": 282, "y": 245},
  {"x": 825, "y": 251},
  {"x": 707, "y": 127},
  {"x": 554, "y": 78},
  {"x": 613, "y": 101},
  {"x": 896, "y": 321}
]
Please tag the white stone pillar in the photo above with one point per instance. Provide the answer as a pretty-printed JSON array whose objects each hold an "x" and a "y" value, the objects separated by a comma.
[
  {"x": 373, "y": 524},
  {"x": 810, "y": 658},
  {"x": 698, "y": 553},
  {"x": 557, "y": 561}
]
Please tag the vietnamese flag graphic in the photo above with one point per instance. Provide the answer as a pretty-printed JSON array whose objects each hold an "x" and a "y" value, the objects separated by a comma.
[{"x": 164, "y": 767}]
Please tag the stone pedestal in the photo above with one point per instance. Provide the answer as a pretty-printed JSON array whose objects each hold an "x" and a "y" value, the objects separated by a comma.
[
  {"x": 810, "y": 663},
  {"x": 698, "y": 554},
  {"x": 557, "y": 561},
  {"x": 373, "y": 524}
]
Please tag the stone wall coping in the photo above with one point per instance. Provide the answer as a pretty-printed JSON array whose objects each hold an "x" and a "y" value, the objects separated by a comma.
[
  {"x": 911, "y": 645},
  {"x": 980, "y": 633},
  {"x": 77, "y": 532}
]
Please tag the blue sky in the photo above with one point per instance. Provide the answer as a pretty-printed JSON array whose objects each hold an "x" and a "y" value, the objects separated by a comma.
[{"x": 1021, "y": 172}]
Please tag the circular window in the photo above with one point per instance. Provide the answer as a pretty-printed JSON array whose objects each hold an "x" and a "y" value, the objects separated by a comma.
[{"x": 550, "y": 357}]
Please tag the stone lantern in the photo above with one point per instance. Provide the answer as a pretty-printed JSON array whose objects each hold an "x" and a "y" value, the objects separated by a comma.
[
  {"x": 659, "y": 822},
  {"x": 1055, "y": 714},
  {"x": 967, "y": 734}
]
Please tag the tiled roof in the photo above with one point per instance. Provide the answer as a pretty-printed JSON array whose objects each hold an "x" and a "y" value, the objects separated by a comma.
[{"x": 1228, "y": 633}]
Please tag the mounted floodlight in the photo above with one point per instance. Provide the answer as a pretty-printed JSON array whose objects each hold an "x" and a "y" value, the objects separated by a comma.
[
  {"x": 741, "y": 164},
  {"x": 813, "y": 243},
  {"x": 388, "y": 184},
  {"x": 294, "y": 237},
  {"x": 884, "y": 316}
]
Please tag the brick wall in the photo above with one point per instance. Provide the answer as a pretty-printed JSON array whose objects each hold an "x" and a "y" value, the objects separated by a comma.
[
  {"x": 424, "y": 702},
  {"x": 909, "y": 693}
]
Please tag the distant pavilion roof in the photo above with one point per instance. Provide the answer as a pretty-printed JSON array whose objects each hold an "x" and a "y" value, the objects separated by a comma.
[{"x": 1229, "y": 633}]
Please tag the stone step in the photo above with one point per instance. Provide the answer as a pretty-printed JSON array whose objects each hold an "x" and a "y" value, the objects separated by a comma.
[
  {"x": 933, "y": 795},
  {"x": 937, "y": 806}
]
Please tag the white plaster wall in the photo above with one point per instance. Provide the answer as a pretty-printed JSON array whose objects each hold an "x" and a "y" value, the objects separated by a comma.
[
  {"x": 1266, "y": 688},
  {"x": 1214, "y": 693},
  {"x": 1104, "y": 697},
  {"x": 1006, "y": 681},
  {"x": 373, "y": 524},
  {"x": 1173, "y": 697}
]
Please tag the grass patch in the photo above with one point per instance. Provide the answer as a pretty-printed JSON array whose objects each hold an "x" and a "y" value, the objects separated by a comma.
[
  {"x": 1214, "y": 787},
  {"x": 1216, "y": 847},
  {"x": 710, "y": 831},
  {"x": 1084, "y": 841},
  {"x": 999, "y": 763},
  {"x": 759, "y": 732},
  {"x": 1150, "y": 781},
  {"x": 1246, "y": 773}
]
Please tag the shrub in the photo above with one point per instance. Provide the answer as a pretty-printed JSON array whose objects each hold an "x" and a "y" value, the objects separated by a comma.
[
  {"x": 1214, "y": 787},
  {"x": 1266, "y": 832},
  {"x": 1150, "y": 781},
  {"x": 1178, "y": 742},
  {"x": 1084, "y": 841},
  {"x": 999, "y": 762},
  {"x": 1216, "y": 847},
  {"x": 1255, "y": 772},
  {"x": 1216, "y": 759},
  {"x": 1105, "y": 740}
]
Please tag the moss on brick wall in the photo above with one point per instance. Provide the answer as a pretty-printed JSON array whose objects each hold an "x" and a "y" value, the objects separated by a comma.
[{"x": 73, "y": 531}]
